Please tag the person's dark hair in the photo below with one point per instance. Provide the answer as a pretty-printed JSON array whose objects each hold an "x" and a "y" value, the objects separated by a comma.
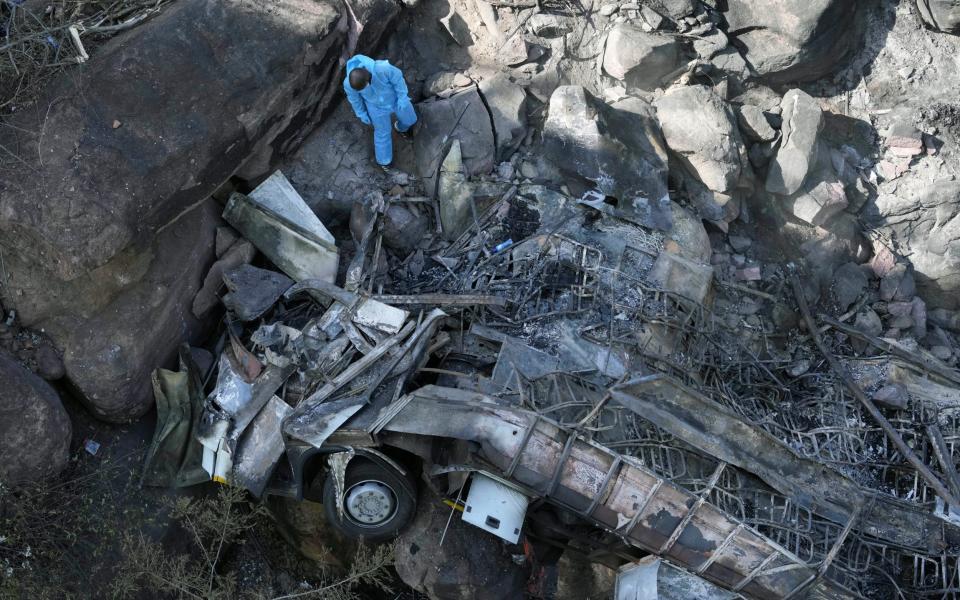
[{"x": 359, "y": 78}]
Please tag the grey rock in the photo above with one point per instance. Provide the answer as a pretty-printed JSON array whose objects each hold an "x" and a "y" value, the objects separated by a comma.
[
  {"x": 754, "y": 124},
  {"x": 868, "y": 321},
  {"x": 673, "y": 9},
  {"x": 443, "y": 81},
  {"x": 403, "y": 228},
  {"x": 34, "y": 428},
  {"x": 528, "y": 170},
  {"x": 640, "y": 59},
  {"x": 516, "y": 51},
  {"x": 507, "y": 103},
  {"x": 820, "y": 199},
  {"x": 619, "y": 148},
  {"x": 608, "y": 9},
  {"x": 926, "y": 227},
  {"x": 740, "y": 243},
  {"x": 458, "y": 28},
  {"x": 202, "y": 358},
  {"x": 252, "y": 291},
  {"x": 784, "y": 317},
  {"x": 470, "y": 564},
  {"x": 463, "y": 117},
  {"x": 899, "y": 309},
  {"x": 206, "y": 299},
  {"x": 793, "y": 40},
  {"x": 226, "y": 236},
  {"x": 901, "y": 323},
  {"x": 898, "y": 285},
  {"x": 941, "y": 352},
  {"x": 543, "y": 84},
  {"x": 701, "y": 132},
  {"x": 549, "y": 26},
  {"x": 919, "y": 316},
  {"x": 947, "y": 319},
  {"x": 802, "y": 122},
  {"x": 715, "y": 207},
  {"x": 710, "y": 42},
  {"x": 49, "y": 364},
  {"x": 893, "y": 396},
  {"x": 903, "y": 139},
  {"x": 110, "y": 354},
  {"x": 849, "y": 282},
  {"x": 760, "y": 155},
  {"x": 942, "y": 15},
  {"x": 729, "y": 61},
  {"x": 336, "y": 166},
  {"x": 454, "y": 194}
]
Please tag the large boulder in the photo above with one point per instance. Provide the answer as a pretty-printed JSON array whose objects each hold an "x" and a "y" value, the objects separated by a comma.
[
  {"x": 110, "y": 353},
  {"x": 926, "y": 229},
  {"x": 820, "y": 199},
  {"x": 793, "y": 40},
  {"x": 619, "y": 147},
  {"x": 640, "y": 59},
  {"x": 942, "y": 15},
  {"x": 102, "y": 174},
  {"x": 34, "y": 428},
  {"x": 673, "y": 9},
  {"x": 507, "y": 102},
  {"x": 464, "y": 117},
  {"x": 701, "y": 130},
  {"x": 335, "y": 166},
  {"x": 799, "y": 143},
  {"x": 471, "y": 563}
]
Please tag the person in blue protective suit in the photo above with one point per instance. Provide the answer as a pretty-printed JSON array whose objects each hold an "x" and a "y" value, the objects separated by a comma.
[{"x": 376, "y": 91}]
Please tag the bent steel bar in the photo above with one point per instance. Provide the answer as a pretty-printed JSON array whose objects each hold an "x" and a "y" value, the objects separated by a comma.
[
  {"x": 718, "y": 432},
  {"x": 615, "y": 492}
]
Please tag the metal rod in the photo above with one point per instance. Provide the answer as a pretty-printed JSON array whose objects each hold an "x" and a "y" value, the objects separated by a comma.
[{"x": 868, "y": 404}]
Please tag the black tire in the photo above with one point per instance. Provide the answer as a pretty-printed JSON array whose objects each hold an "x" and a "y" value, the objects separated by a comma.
[{"x": 377, "y": 479}]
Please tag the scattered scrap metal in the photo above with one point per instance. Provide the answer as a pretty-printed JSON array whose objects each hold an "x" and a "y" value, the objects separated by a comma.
[{"x": 577, "y": 356}]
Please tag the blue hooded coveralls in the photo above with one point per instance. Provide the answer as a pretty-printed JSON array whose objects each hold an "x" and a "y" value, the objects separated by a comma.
[{"x": 385, "y": 95}]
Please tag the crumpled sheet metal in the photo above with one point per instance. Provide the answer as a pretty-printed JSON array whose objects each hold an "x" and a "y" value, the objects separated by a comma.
[
  {"x": 300, "y": 251},
  {"x": 314, "y": 419},
  {"x": 260, "y": 447},
  {"x": 651, "y": 578},
  {"x": 655, "y": 213},
  {"x": 604, "y": 486},
  {"x": 232, "y": 392},
  {"x": 362, "y": 310}
]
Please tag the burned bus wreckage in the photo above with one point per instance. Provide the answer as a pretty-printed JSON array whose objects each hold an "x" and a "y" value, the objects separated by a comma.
[{"x": 564, "y": 356}]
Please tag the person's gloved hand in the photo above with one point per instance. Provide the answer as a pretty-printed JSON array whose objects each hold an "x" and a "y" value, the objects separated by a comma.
[{"x": 365, "y": 119}]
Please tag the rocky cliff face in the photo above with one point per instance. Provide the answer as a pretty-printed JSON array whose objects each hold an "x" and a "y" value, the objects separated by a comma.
[{"x": 106, "y": 219}]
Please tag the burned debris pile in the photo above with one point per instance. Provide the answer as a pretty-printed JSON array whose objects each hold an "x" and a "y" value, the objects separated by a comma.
[
  {"x": 593, "y": 362},
  {"x": 536, "y": 317}
]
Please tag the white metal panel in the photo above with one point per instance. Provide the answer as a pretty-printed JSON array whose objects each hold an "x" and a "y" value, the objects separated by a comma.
[{"x": 495, "y": 507}]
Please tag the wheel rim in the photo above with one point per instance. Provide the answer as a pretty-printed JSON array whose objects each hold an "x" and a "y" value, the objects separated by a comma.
[{"x": 370, "y": 503}]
